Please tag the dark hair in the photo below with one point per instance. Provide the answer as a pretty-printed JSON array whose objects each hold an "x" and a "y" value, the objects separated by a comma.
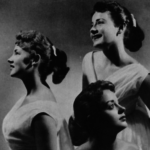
[
  {"x": 133, "y": 35},
  {"x": 87, "y": 106},
  {"x": 53, "y": 60}
]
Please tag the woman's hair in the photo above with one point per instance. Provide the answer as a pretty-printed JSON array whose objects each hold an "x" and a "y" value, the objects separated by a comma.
[
  {"x": 133, "y": 35},
  {"x": 87, "y": 106},
  {"x": 53, "y": 60}
]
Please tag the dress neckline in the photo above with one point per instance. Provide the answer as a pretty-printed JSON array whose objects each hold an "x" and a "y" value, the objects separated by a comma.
[
  {"x": 94, "y": 70},
  {"x": 21, "y": 100}
]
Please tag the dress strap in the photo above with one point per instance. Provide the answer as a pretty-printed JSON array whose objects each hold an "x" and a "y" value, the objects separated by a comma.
[{"x": 93, "y": 67}]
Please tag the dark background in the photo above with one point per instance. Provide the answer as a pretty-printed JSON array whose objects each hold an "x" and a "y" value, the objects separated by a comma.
[{"x": 67, "y": 24}]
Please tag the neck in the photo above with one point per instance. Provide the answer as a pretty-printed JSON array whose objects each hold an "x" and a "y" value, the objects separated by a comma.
[
  {"x": 32, "y": 83},
  {"x": 109, "y": 142},
  {"x": 116, "y": 53}
]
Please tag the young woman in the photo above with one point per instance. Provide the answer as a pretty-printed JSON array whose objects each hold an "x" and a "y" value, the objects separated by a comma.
[
  {"x": 34, "y": 121},
  {"x": 115, "y": 30},
  {"x": 98, "y": 113}
]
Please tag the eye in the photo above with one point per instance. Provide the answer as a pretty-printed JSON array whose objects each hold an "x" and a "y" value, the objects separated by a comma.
[
  {"x": 99, "y": 22},
  {"x": 111, "y": 105},
  {"x": 16, "y": 53}
]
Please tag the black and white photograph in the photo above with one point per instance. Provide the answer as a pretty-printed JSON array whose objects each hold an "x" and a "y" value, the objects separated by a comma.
[{"x": 75, "y": 74}]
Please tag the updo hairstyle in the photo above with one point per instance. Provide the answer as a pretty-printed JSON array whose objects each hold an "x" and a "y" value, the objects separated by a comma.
[
  {"x": 133, "y": 35},
  {"x": 53, "y": 60},
  {"x": 87, "y": 106}
]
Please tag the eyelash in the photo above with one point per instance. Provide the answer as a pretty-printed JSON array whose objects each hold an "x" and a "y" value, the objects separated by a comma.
[
  {"x": 111, "y": 106},
  {"x": 100, "y": 22},
  {"x": 16, "y": 53}
]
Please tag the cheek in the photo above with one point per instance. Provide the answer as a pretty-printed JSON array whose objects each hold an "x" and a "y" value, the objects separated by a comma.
[
  {"x": 107, "y": 34},
  {"x": 111, "y": 117},
  {"x": 26, "y": 60},
  {"x": 22, "y": 63}
]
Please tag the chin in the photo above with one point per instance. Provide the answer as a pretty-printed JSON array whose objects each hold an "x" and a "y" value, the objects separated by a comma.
[
  {"x": 14, "y": 75},
  {"x": 123, "y": 125},
  {"x": 120, "y": 126},
  {"x": 98, "y": 44}
]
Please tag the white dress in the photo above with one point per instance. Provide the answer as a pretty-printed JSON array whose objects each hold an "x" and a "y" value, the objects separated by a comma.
[
  {"x": 127, "y": 81},
  {"x": 17, "y": 125}
]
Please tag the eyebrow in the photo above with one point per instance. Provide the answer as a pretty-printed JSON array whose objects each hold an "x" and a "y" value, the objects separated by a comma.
[{"x": 100, "y": 19}]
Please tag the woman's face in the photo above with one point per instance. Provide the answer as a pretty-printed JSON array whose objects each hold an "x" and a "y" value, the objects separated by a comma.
[
  {"x": 114, "y": 114},
  {"x": 19, "y": 62},
  {"x": 103, "y": 30}
]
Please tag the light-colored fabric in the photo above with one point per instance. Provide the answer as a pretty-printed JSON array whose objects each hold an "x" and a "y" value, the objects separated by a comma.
[
  {"x": 127, "y": 81},
  {"x": 17, "y": 123}
]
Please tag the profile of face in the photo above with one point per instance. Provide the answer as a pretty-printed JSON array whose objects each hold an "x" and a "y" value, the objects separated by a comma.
[
  {"x": 19, "y": 62},
  {"x": 113, "y": 113},
  {"x": 103, "y": 31}
]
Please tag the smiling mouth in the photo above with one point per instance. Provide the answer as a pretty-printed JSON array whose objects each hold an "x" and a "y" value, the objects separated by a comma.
[
  {"x": 11, "y": 66},
  {"x": 95, "y": 37}
]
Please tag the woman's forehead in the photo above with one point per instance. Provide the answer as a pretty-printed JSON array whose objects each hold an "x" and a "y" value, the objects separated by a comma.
[
  {"x": 17, "y": 47},
  {"x": 108, "y": 96},
  {"x": 101, "y": 15}
]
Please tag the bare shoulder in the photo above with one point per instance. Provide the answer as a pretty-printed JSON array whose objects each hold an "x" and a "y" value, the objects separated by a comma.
[
  {"x": 88, "y": 58},
  {"x": 45, "y": 132},
  {"x": 123, "y": 145},
  {"x": 86, "y": 62},
  {"x": 43, "y": 120},
  {"x": 89, "y": 54}
]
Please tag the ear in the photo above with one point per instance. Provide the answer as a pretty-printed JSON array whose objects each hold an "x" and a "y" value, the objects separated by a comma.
[
  {"x": 36, "y": 59},
  {"x": 121, "y": 29}
]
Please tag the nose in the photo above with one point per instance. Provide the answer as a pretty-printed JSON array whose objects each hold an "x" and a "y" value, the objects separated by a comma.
[
  {"x": 93, "y": 30},
  {"x": 10, "y": 60},
  {"x": 121, "y": 109}
]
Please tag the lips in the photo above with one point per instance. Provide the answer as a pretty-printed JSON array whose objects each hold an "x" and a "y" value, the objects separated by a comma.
[
  {"x": 97, "y": 36},
  {"x": 123, "y": 118},
  {"x": 11, "y": 66}
]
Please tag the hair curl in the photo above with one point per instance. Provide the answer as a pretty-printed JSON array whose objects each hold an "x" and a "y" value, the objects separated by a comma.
[
  {"x": 87, "y": 106},
  {"x": 133, "y": 35},
  {"x": 53, "y": 60}
]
